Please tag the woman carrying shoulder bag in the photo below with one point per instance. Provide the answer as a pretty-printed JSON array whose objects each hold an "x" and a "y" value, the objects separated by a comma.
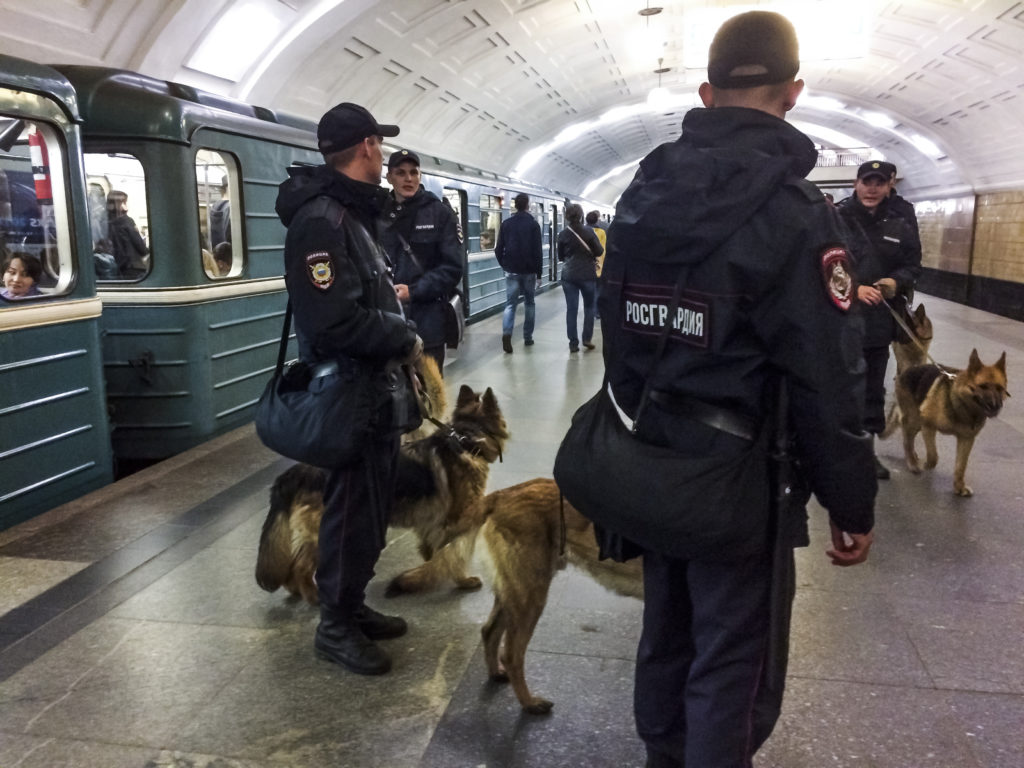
[{"x": 578, "y": 250}]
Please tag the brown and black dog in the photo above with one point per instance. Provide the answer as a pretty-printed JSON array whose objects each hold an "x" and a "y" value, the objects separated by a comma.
[
  {"x": 952, "y": 402},
  {"x": 440, "y": 479},
  {"x": 530, "y": 534},
  {"x": 907, "y": 352}
]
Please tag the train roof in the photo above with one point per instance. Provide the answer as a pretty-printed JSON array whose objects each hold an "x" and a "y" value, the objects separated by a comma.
[
  {"x": 22, "y": 75},
  {"x": 120, "y": 103}
]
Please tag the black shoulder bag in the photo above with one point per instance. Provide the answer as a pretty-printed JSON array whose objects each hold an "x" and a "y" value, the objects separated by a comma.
[
  {"x": 319, "y": 414},
  {"x": 685, "y": 506}
]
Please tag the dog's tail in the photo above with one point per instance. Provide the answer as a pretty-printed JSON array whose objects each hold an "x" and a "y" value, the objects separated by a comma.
[
  {"x": 893, "y": 416},
  {"x": 274, "y": 560}
]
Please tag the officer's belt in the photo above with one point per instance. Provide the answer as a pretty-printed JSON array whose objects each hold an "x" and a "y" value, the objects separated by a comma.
[{"x": 722, "y": 419}]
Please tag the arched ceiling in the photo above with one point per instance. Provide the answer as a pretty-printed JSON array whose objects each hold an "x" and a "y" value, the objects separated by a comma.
[{"x": 556, "y": 91}]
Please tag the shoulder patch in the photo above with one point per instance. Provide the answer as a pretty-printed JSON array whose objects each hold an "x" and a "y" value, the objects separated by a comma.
[
  {"x": 320, "y": 269},
  {"x": 835, "y": 270}
]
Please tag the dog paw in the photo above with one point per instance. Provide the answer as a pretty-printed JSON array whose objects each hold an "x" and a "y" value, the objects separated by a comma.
[
  {"x": 914, "y": 468},
  {"x": 498, "y": 677},
  {"x": 469, "y": 583},
  {"x": 930, "y": 462},
  {"x": 962, "y": 490},
  {"x": 538, "y": 706}
]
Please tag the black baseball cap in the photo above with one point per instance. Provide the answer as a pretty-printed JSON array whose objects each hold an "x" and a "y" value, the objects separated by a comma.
[
  {"x": 878, "y": 168},
  {"x": 346, "y": 125},
  {"x": 403, "y": 156},
  {"x": 751, "y": 49}
]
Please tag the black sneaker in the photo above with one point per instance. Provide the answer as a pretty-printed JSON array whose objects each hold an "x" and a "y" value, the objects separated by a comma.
[
  {"x": 574, "y": 347},
  {"x": 377, "y": 626},
  {"x": 346, "y": 644},
  {"x": 528, "y": 342},
  {"x": 881, "y": 471},
  {"x": 506, "y": 343}
]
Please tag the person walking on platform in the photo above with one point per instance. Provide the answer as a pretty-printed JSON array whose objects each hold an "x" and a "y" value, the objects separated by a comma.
[
  {"x": 422, "y": 236},
  {"x": 346, "y": 311},
  {"x": 520, "y": 254},
  {"x": 722, "y": 225},
  {"x": 887, "y": 261},
  {"x": 578, "y": 250}
]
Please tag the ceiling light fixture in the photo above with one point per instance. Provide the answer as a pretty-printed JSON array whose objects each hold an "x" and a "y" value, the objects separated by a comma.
[{"x": 648, "y": 11}]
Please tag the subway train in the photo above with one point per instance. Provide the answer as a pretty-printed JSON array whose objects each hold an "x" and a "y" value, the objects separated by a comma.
[{"x": 149, "y": 207}]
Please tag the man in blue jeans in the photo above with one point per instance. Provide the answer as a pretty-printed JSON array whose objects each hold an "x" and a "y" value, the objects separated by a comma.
[{"x": 519, "y": 253}]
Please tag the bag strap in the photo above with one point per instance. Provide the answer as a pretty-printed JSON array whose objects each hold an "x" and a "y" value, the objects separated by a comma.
[
  {"x": 408, "y": 251},
  {"x": 645, "y": 396},
  {"x": 285, "y": 330},
  {"x": 590, "y": 252}
]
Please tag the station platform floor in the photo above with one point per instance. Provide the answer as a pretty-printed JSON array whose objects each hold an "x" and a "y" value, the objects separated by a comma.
[{"x": 133, "y": 634}]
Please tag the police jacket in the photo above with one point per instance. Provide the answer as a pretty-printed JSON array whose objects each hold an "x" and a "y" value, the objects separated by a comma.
[
  {"x": 579, "y": 254},
  {"x": 767, "y": 293},
  {"x": 338, "y": 278},
  {"x": 434, "y": 268},
  {"x": 518, "y": 248},
  {"x": 884, "y": 245}
]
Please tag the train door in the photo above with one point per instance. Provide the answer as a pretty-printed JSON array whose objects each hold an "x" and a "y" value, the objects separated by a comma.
[
  {"x": 553, "y": 229},
  {"x": 456, "y": 198},
  {"x": 54, "y": 434}
]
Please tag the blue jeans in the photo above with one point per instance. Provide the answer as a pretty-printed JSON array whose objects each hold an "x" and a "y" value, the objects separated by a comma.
[
  {"x": 516, "y": 285},
  {"x": 573, "y": 291}
]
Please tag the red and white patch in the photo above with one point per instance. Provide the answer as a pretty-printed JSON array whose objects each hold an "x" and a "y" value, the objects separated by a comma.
[
  {"x": 320, "y": 269},
  {"x": 835, "y": 270}
]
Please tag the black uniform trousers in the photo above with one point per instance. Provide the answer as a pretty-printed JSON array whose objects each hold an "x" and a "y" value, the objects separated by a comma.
[
  {"x": 700, "y": 697},
  {"x": 877, "y": 360},
  {"x": 357, "y": 504}
]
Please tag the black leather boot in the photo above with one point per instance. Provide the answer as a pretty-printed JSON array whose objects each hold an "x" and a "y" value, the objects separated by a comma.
[
  {"x": 341, "y": 641},
  {"x": 377, "y": 626}
]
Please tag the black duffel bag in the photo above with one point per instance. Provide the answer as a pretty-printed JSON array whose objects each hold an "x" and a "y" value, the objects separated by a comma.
[
  {"x": 682, "y": 505},
  {"x": 326, "y": 414}
]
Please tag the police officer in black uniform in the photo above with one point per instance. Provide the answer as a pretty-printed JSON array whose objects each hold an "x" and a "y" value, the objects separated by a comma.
[
  {"x": 347, "y": 313},
  {"x": 767, "y": 286},
  {"x": 887, "y": 255},
  {"x": 422, "y": 236}
]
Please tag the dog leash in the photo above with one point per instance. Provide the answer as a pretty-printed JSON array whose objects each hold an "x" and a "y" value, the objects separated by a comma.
[{"x": 944, "y": 370}]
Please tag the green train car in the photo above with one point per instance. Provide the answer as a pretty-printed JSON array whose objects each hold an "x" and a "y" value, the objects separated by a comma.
[
  {"x": 181, "y": 187},
  {"x": 54, "y": 433}
]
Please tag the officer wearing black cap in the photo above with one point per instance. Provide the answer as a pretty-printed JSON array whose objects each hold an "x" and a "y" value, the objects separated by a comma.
[
  {"x": 725, "y": 213},
  {"x": 887, "y": 253},
  {"x": 422, "y": 236},
  {"x": 346, "y": 312}
]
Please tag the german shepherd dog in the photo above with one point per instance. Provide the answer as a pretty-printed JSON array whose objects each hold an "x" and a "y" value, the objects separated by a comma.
[
  {"x": 530, "y": 533},
  {"x": 440, "y": 478},
  {"x": 952, "y": 402},
  {"x": 908, "y": 353}
]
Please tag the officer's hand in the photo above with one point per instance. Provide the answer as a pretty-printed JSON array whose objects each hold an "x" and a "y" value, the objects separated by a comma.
[
  {"x": 887, "y": 287},
  {"x": 416, "y": 353},
  {"x": 402, "y": 292},
  {"x": 849, "y": 548},
  {"x": 869, "y": 294}
]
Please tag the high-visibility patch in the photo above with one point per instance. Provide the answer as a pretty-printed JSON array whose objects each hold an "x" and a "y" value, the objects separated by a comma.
[
  {"x": 320, "y": 269},
  {"x": 646, "y": 310},
  {"x": 835, "y": 270}
]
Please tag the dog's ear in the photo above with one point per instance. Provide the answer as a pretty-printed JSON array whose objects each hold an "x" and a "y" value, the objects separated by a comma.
[
  {"x": 490, "y": 402},
  {"x": 466, "y": 395},
  {"x": 975, "y": 363},
  {"x": 919, "y": 313},
  {"x": 1001, "y": 363}
]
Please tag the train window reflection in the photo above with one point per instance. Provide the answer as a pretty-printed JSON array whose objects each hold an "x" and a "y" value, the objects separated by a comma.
[
  {"x": 220, "y": 221},
  {"x": 118, "y": 216},
  {"x": 490, "y": 221},
  {"x": 35, "y": 240}
]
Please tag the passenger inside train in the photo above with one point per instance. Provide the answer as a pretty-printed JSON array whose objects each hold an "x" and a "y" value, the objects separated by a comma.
[{"x": 21, "y": 274}]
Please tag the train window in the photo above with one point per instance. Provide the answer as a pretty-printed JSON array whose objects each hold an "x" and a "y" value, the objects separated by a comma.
[
  {"x": 490, "y": 221},
  {"x": 118, "y": 215},
  {"x": 35, "y": 239},
  {"x": 220, "y": 221}
]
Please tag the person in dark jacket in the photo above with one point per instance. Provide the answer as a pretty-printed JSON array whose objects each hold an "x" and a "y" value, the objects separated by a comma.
[
  {"x": 421, "y": 235},
  {"x": 220, "y": 216},
  {"x": 346, "y": 311},
  {"x": 887, "y": 253},
  {"x": 519, "y": 253},
  {"x": 130, "y": 251},
  {"x": 578, "y": 250},
  {"x": 725, "y": 213}
]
